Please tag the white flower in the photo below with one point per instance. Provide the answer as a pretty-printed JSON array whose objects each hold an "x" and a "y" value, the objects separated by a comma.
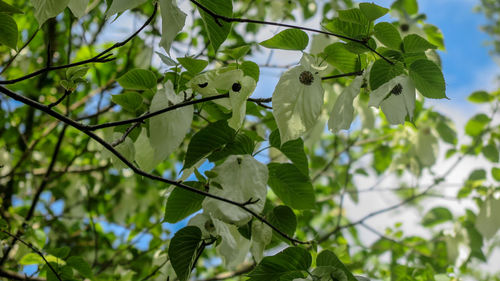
[
  {"x": 396, "y": 98},
  {"x": 240, "y": 87},
  {"x": 297, "y": 99},
  {"x": 204, "y": 84}
]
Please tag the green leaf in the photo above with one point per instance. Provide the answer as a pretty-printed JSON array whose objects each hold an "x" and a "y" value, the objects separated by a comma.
[
  {"x": 240, "y": 145},
  {"x": 291, "y": 186},
  {"x": 487, "y": 222},
  {"x": 76, "y": 72},
  {"x": 251, "y": 69},
  {"x": 490, "y": 151},
  {"x": 293, "y": 149},
  {"x": 350, "y": 29},
  {"x": 436, "y": 216},
  {"x": 372, "y": 11},
  {"x": 382, "y": 72},
  {"x": 138, "y": 79},
  {"x": 408, "y": 6},
  {"x": 31, "y": 258},
  {"x": 8, "y": 31},
  {"x": 495, "y": 173},
  {"x": 129, "y": 101},
  {"x": 328, "y": 258},
  {"x": 238, "y": 52},
  {"x": 217, "y": 33},
  {"x": 447, "y": 133},
  {"x": 434, "y": 35},
  {"x": 477, "y": 124},
  {"x": 119, "y": 6},
  {"x": 207, "y": 140},
  {"x": 382, "y": 158},
  {"x": 182, "y": 203},
  {"x": 356, "y": 16},
  {"x": 183, "y": 250},
  {"x": 46, "y": 9},
  {"x": 194, "y": 66},
  {"x": 337, "y": 55},
  {"x": 8, "y": 9},
  {"x": 284, "y": 219},
  {"x": 80, "y": 265},
  {"x": 413, "y": 44},
  {"x": 172, "y": 22},
  {"x": 61, "y": 252},
  {"x": 428, "y": 79},
  {"x": 289, "y": 261},
  {"x": 288, "y": 39},
  {"x": 78, "y": 7},
  {"x": 480, "y": 97}
]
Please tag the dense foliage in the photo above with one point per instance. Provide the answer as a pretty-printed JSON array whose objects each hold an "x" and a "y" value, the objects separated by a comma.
[{"x": 148, "y": 155}]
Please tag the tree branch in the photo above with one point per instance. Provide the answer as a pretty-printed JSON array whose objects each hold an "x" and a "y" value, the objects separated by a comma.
[
  {"x": 88, "y": 132},
  {"x": 102, "y": 57},
  {"x": 218, "y": 17}
]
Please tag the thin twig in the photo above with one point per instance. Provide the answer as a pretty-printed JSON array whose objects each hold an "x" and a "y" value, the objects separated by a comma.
[{"x": 19, "y": 51}]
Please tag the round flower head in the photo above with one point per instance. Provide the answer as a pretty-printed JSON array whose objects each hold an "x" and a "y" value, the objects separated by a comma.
[{"x": 204, "y": 84}]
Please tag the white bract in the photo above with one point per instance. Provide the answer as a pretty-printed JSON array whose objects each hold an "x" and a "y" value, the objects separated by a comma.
[
  {"x": 233, "y": 247},
  {"x": 239, "y": 87},
  {"x": 426, "y": 147},
  {"x": 396, "y": 98},
  {"x": 167, "y": 130},
  {"x": 172, "y": 22},
  {"x": 118, "y": 6},
  {"x": 204, "y": 85},
  {"x": 261, "y": 236},
  {"x": 488, "y": 220},
  {"x": 78, "y": 7},
  {"x": 242, "y": 178},
  {"x": 297, "y": 99},
  {"x": 343, "y": 110},
  {"x": 144, "y": 152}
]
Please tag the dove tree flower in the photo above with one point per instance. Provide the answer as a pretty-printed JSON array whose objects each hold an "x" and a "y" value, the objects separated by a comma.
[
  {"x": 396, "y": 98},
  {"x": 297, "y": 99}
]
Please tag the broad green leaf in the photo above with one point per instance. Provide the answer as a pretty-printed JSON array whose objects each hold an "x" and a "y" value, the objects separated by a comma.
[
  {"x": 328, "y": 273},
  {"x": 372, "y": 11},
  {"x": 80, "y": 265},
  {"x": 297, "y": 100},
  {"x": 76, "y": 72},
  {"x": 447, "y": 133},
  {"x": 284, "y": 219},
  {"x": 408, "y": 6},
  {"x": 172, "y": 22},
  {"x": 192, "y": 65},
  {"x": 238, "y": 52},
  {"x": 129, "y": 101},
  {"x": 356, "y": 16},
  {"x": 61, "y": 252},
  {"x": 119, "y": 6},
  {"x": 138, "y": 79},
  {"x": 167, "y": 130},
  {"x": 291, "y": 186},
  {"x": 207, "y": 140},
  {"x": 476, "y": 124},
  {"x": 345, "y": 28},
  {"x": 78, "y": 7},
  {"x": 217, "y": 31},
  {"x": 382, "y": 158},
  {"x": 126, "y": 148},
  {"x": 290, "y": 260},
  {"x": 358, "y": 48},
  {"x": 8, "y": 31},
  {"x": 436, "y": 216},
  {"x": 382, "y": 72},
  {"x": 477, "y": 175},
  {"x": 251, "y": 69},
  {"x": 434, "y": 35},
  {"x": 343, "y": 110},
  {"x": 166, "y": 59},
  {"x": 328, "y": 258},
  {"x": 182, "y": 203},
  {"x": 241, "y": 144},
  {"x": 234, "y": 247},
  {"x": 242, "y": 178},
  {"x": 413, "y": 44},
  {"x": 480, "y": 97},
  {"x": 495, "y": 173},
  {"x": 46, "y": 9},
  {"x": 9, "y": 9},
  {"x": 428, "y": 79},
  {"x": 490, "y": 152},
  {"x": 262, "y": 235},
  {"x": 288, "y": 39},
  {"x": 388, "y": 35},
  {"x": 183, "y": 250},
  {"x": 337, "y": 55},
  {"x": 476, "y": 241},
  {"x": 293, "y": 149},
  {"x": 31, "y": 258}
]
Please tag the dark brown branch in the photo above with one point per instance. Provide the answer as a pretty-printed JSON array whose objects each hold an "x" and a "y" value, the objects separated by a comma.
[
  {"x": 102, "y": 57},
  {"x": 218, "y": 17},
  {"x": 85, "y": 130},
  {"x": 356, "y": 73},
  {"x": 66, "y": 93},
  {"x": 11, "y": 275},
  {"x": 124, "y": 136},
  {"x": 38, "y": 252}
]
